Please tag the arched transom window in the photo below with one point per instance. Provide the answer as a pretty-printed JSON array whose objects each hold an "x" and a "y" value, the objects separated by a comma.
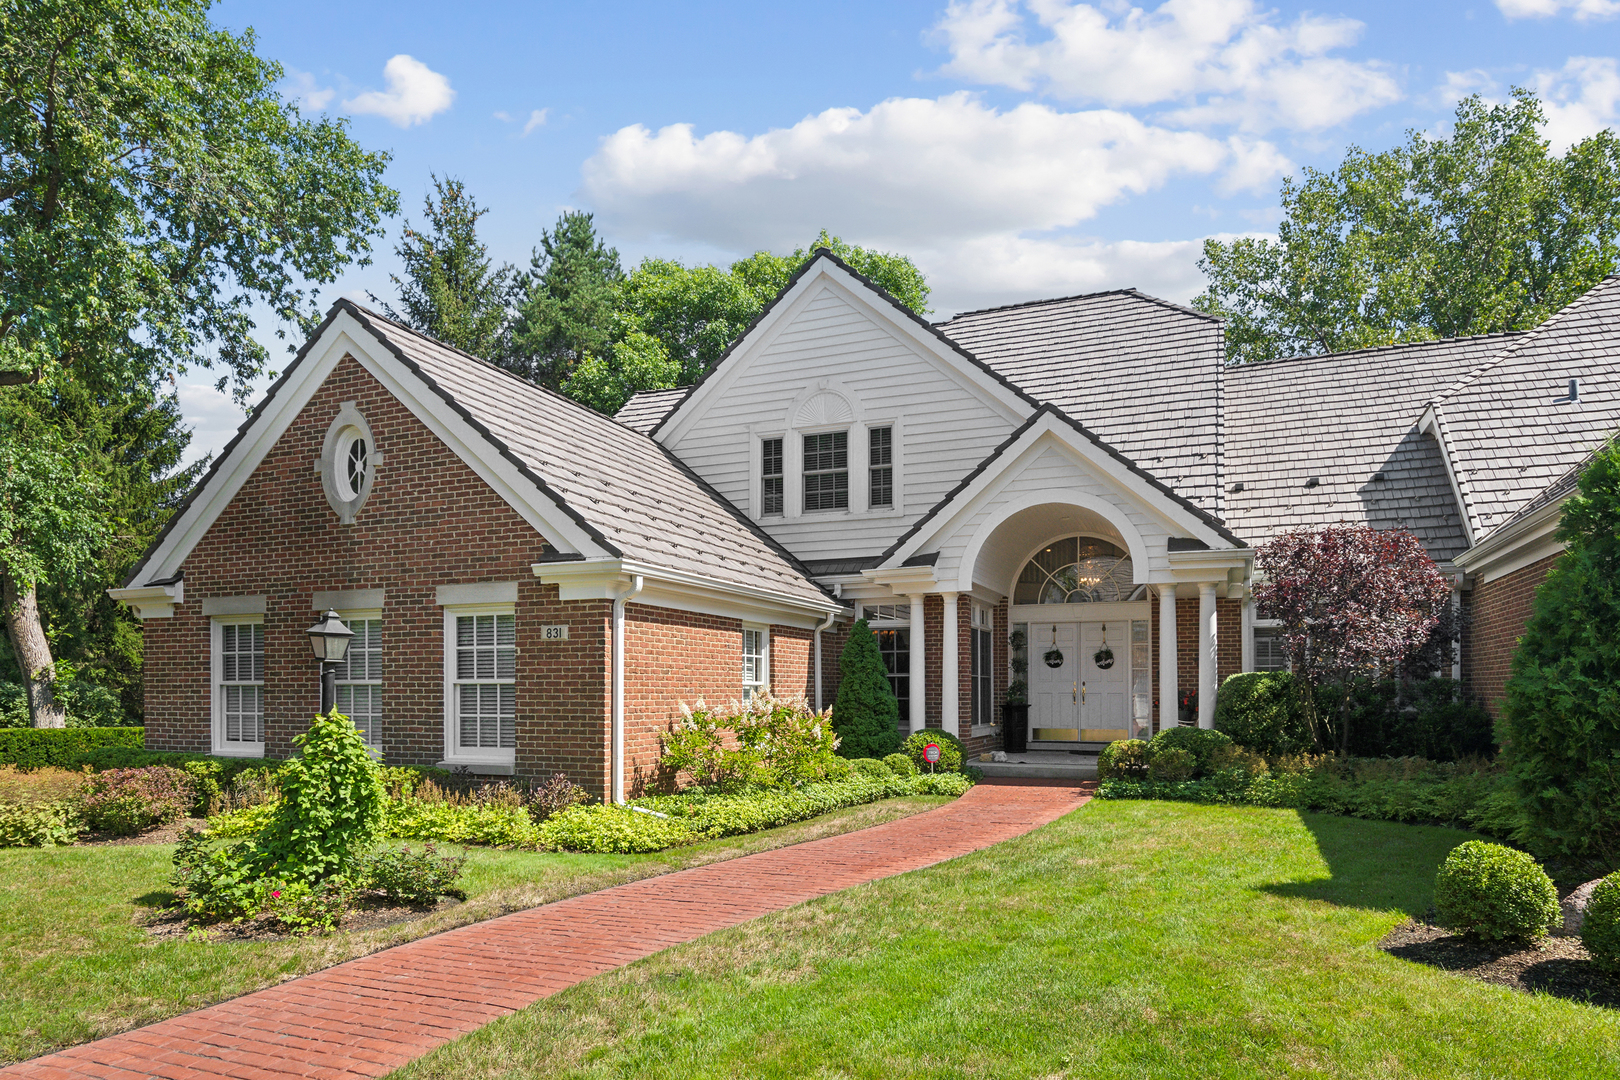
[{"x": 1078, "y": 570}]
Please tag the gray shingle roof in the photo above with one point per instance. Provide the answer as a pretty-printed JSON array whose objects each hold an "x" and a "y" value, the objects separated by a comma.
[
  {"x": 1341, "y": 419},
  {"x": 646, "y": 407},
  {"x": 1508, "y": 435},
  {"x": 1142, "y": 374},
  {"x": 618, "y": 482},
  {"x": 1555, "y": 492}
]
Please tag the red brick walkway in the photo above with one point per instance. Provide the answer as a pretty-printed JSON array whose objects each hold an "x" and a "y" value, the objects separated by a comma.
[{"x": 373, "y": 1014}]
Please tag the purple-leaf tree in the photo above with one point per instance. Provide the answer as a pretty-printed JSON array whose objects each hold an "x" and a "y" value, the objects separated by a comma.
[{"x": 1352, "y": 601}]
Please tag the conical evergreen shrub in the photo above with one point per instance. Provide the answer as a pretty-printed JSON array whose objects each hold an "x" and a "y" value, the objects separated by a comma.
[
  {"x": 1561, "y": 721},
  {"x": 865, "y": 712}
]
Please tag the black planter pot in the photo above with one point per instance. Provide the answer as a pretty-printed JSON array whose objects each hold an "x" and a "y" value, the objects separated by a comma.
[{"x": 1015, "y": 728}]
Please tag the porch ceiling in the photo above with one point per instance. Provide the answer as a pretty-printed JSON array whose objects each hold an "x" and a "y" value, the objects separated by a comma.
[{"x": 1020, "y": 536}]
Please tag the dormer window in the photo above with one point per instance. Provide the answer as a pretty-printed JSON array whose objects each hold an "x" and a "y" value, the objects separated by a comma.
[{"x": 826, "y": 471}]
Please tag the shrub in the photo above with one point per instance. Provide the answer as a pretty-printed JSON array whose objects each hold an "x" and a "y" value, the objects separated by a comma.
[
  {"x": 1201, "y": 743},
  {"x": 1167, "y": 762},
  {"x": 769, "y": 740},
  {"x": 35, "y": 748},
  {"x": 490, "y": 824},
  {"x": 950, "y": 750},
  {"x": 41, "y": 808},
  {"x": 308, "y": 908},
  {"x": 332, "y": 805},
  {"x": 414, "y": 877},
  {"x": 554, "y": 796},
  {"x": 612, "y": 829},
  {"x": 1226, "y": 758},
  {"x": 130, "y": 801},
  {"x": 865, "y": 711},
  {"x": 1263, "y": 711},
  {"x": 872, "y": 767},
  {"x": 1490, "y": 891},
  {"x": 217, "y": 883},
  {"x": 1125, "y": 758},
  {"x": 1600, "y": 930},
  {"x": 900, "y": 765}
]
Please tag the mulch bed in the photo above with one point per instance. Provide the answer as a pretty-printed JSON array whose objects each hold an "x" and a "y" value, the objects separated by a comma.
[
  {"x": 369, "y": 914},
  {"x": 163, "y": 834},
  {"x": 1559, "y": 966}
]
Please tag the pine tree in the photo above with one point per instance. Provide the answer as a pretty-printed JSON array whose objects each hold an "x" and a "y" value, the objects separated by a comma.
[
  {"x": 569, "y": 312},
  {"x": 865, "y": 713},
  {"x": 1561, "y": 721}
]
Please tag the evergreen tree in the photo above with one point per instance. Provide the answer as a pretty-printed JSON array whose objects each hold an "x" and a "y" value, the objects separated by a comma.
[
  {"x": 569, "y": 310},
  {"x": 1561, "y": 721},
  {"x": 451, "y": 290},
  {"x": 865, "y": 712}
]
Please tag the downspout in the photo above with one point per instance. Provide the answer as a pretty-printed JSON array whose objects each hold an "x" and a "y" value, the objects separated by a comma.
[
  {"x": 831, "y": 615},
  {"x": 616, "y": 736}
]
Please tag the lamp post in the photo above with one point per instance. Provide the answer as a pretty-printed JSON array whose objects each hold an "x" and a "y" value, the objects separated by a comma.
[{"x": 329, "y": 639}]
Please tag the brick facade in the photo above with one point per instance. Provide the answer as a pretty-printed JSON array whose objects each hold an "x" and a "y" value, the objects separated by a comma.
[{"x": 1498, "y": 611}]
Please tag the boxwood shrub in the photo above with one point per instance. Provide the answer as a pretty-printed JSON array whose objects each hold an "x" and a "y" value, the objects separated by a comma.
[
  {"x": 1201, "y": 743},
  {"x": 1600, "y": 931},
  {"x": 36, "y": 748},
  {"x": 866, "y": 766},
  {"x": 1264, "y": 711},
  {"x": 950, "y": 750},
  {"x": 1486, "y": 890},
  {"x": 900, "y": 765},
  {"x": 1125, "y": 758}
]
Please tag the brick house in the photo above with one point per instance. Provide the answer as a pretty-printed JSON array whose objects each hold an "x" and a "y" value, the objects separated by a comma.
[{"x": 535, "y": 587}]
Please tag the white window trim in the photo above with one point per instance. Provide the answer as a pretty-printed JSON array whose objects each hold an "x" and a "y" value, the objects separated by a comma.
[
  {"x": 756, "y": 473},
  {"x": 347, "y": 615},
  {"x": 850, "y": 473},
  {"x": 216, "y": 675},
  {"x": 764, "y": 633},
  {"x": 987, "y": 627},
  {"x": 896, "y": 458},
  {"x": 500, "y": 760}
]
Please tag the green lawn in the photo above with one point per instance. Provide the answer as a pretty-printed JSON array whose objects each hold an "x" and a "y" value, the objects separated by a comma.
[
  {"x": 76, "y": 963},
  {"x": 1130, "y": 939}
]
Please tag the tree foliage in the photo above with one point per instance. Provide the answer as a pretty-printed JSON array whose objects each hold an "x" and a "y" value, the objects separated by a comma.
[
  {"x": 1475, "y": 232},
  {"x": 865, "y": 712},
  {"x": 1352, "y": 601},
  {"x": 1561, "y": 719},
  {"x": 568, "y": 313},
  {"x": 451, "y": 289}
]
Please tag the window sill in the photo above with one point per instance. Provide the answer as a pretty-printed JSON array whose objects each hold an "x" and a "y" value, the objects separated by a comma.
[
  {"x": 254, "y": 751},
  {"x": 483, "y": 768},
  {"x": 981, "y": 730}
]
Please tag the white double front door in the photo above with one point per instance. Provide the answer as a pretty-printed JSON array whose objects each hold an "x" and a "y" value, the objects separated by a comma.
[{"x": 1078, "y": 681}]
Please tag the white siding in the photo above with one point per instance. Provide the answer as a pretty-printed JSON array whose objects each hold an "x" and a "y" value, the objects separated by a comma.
[{"x": 943, "y": 425}]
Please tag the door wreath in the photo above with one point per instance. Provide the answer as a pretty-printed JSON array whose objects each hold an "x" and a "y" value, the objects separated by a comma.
[
  {"x": 1054, "y": 655},
  {"x": 1104, "y": 657}
]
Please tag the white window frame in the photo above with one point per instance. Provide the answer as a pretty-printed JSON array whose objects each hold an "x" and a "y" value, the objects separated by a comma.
[
  {"x": 216, "y": 695},
  {"x": 503, "y": 760},
  {"x": 850, "y": 504},
  {"x": 348, "y": 617},
  {"x": 1254, "y": 646},
  {"x": 762, "y": 667},
  {"x": 982, "y": 621}
]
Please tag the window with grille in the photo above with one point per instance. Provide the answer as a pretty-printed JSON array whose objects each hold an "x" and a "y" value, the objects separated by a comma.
[
  {"x": 1270, "y": 651},
  {"x": 826, "y": 471},
  {"x": 894, "y": 645},
  {"x": 882, "y": 467},
  {"x": 770, "y": 477},
  {"x": 983, "y": 709},
  {"x": 241, "y": 684},
  {"x": 359, "y": 678},
  {"x": 756, "y": 665},
  {"x": 485, "y": 684}
]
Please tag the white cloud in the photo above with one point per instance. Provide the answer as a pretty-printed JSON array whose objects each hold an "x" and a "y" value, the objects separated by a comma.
[
  {"x": 505, "y": 118},
  {"x": 415, "y": 93},
  {"x": 302, "y": 88},
  {"x": 1542, "y": 9},
  {"x": 908, "y": 171},
  {"x": 1213, "y": 61},
  {"x": 1255, "y": 167},
  {"x": 1580, "y": 99},
  {"x": 537, "y": 118}
]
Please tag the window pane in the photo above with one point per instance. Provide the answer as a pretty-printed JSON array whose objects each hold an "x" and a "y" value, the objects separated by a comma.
[{"x": 826, "y": 475}]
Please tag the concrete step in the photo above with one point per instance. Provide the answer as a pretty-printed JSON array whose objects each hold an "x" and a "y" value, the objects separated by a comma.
[{"x": 1038, "y": 764}]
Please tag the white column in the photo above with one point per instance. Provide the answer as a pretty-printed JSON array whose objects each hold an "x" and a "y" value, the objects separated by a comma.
[
  {"x": 1206, "y": 654},
  {"x": 1169, "y": 691},
  {"x": 919, "y": 666},
  {"x": 1248, "y": 629},
  {"x": 950, "y": 710}
]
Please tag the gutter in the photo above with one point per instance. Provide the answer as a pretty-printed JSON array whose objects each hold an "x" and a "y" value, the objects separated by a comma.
[{"x": 616, "y": 735}]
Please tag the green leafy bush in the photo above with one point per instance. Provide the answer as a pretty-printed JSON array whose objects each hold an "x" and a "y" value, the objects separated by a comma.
[
  {"x": 1167, "y": 762},
  {"x": 950, "y": 750},
  {"x": 487, "y": 824},
  {"x": 1125, "y": 758},
  {"x": 126, "y": 802},
  {"x": 35, "y": 748},
  {"x": 554, "y": 796},
  {"x": 40, "y": 808},
  {"x": 611, "y": 829},
  {"x": 872, "y": 767},
  {"x": 900, "y": 765},
  {"x": 865, "y": 712},
  {"x": 1490, "y": 891},
  {"x": 1201, "y": 743},
  {"x": 311, "y": 907},
  {"x": 1600, "y": 930},
  {"x": 211, "y": 777},
  {"x": 414, "y": 877},
  {"x": 332, "y": 805},
  {"x": 768, "y": 740},
  {"x": 1263, "y": 711}
]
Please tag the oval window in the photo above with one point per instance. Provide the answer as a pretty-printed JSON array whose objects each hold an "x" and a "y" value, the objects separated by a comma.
[{"x": 352, "y": 464}]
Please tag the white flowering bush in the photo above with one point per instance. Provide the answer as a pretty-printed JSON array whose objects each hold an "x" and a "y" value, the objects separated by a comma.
[{"x": 771, "y": 741}]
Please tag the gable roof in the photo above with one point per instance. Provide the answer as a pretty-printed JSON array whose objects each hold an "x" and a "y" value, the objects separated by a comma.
[
  {"x": 1506, "y": 430},
  {"x": 647, "y": 407},
  {"x": 1341, "y": 419},
  {"x": 632, "y": 497},
  {"x": 1143, "y": 374},
  {"x": 1555, "y": 492}
]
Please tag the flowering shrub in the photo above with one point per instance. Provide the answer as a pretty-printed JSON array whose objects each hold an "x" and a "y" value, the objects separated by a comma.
[
  {"x": 130, "y": 801},
  {"x": 331, "y": 808},
  {"x": 768, "y": 741}
]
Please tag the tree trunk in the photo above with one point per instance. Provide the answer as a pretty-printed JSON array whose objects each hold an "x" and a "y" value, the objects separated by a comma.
[{"x": 33, "y": 652}]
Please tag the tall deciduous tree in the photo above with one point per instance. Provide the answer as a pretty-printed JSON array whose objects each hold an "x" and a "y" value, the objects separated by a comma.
[
  {"x": 569, "y": 307},
  {"x": 1475, "y": 232},
  {"x": 154, "y": 188},
  {"x": 1353, "y": 601},
  {"x": 451, "y": 289}
]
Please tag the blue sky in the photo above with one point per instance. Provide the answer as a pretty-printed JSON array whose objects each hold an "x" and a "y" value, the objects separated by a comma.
[{"x": 1014, "y": 150}]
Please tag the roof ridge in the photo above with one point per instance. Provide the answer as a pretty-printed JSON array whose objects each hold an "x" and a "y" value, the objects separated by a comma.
[
  {"x": 1128, "y": 291},
  {"x": 1370, "y": 350}
]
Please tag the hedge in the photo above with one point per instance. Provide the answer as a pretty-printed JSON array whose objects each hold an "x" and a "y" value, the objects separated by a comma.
[{"x": 35, "y": 748}]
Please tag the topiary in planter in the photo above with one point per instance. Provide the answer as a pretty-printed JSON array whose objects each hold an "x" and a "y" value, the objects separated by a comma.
[
  {"x": 1489, "y": 891},
  {"x": 950, "y": 750},
  {"x": 1201, "y": 743},
  {"x": 1600, "y": 931},
  {"x": 865, "y": 713},
  {"x": 1124, "y": 758},
  {"x": 1170, "y": 763}
]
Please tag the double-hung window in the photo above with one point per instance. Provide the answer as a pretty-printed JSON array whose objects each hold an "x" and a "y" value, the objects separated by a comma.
[
  {"x": 359, "y": 678},
  {"x": 483, "y": 690},
  {"x": 983, "y": 652},
  {"x": 239, "y": 686},
  {"x": 1270, "y": 649},
  {"x": 756, "y": 662},
  {"x": 881, "y": 467},
  {"x": 770, "y": 477},
  {"x": 826, "y": 471},
  {"x": 891, "y": 624}
]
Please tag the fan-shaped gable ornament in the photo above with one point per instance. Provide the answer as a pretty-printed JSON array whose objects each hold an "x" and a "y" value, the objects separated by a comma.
[{"x": 826, "y": 407}]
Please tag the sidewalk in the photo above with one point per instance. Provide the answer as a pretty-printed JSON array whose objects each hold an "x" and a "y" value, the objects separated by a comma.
[{"x": 373, "y": 1014}]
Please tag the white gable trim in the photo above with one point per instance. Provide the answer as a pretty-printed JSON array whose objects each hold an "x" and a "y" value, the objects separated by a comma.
[
  {"x": 1431, "y": 423},
  {"x": 823, "y": 275},
  {"x": 1104, "y": 509},
  {"x": 345, "y": 335}
]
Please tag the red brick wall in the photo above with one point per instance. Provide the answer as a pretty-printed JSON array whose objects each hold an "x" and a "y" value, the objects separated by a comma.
[
  {"x": 1499, "y": 610},
  {"x": 793, "y": 657},
  {"x": 672, "y": 657},
  {"x": 933, "y": 659}
]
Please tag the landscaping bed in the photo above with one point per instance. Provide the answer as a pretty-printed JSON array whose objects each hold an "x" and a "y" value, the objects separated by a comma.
[{"x": 1558, "y": 966}]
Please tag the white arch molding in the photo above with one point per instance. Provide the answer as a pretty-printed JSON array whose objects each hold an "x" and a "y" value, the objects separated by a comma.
[
  {"x": 1012, "y": 584},
  {"x": 1083, "y": 500}
]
